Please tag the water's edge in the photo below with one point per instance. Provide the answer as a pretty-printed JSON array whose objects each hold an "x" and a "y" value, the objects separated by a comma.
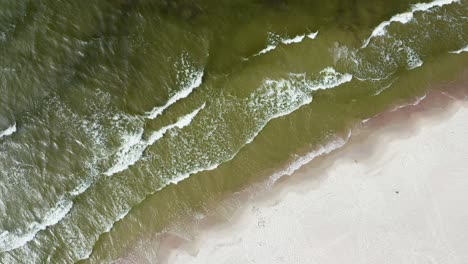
[{"x": 440, "y": 102}]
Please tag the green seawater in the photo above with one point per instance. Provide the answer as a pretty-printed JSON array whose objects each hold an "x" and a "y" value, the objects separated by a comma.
[{"x": 120, "y": 118}]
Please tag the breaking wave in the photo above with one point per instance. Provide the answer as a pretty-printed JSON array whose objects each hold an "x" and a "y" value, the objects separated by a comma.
[
  {"x": 188, "y": 77},
  {"x": 464, "y": 49},
  {"x": 406, "y": 17},
  {"x": 8, "y": 132},
  {"x": 10, "y": 240},
  {"x": 274, "y": 40}
]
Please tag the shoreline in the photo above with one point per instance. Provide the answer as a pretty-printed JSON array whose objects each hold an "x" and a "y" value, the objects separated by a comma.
[{"x": 229, "y": 217}]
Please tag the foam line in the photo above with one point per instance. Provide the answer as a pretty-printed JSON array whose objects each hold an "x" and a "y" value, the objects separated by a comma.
[
  {"x": 313, "y": 35},
  {"x": 286, "y": 41},
  {"x": 303, "y": 160},
  {"x": 296, "y": 39},
  {"x": 265, "y": 50},
  {"x": 464, "y": 49},
  {"x": 406, "y": 17},
  {"x": 186, "y": 91}
]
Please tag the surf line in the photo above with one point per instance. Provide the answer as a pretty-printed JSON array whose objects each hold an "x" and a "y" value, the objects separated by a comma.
[
  {"x": 186, "y": 91},
  {"x": 335, "y": 144},
  {"x": 406, "y": 17},
  {"x": 287, "y": 41},
  {"x": 464, "y": 49}
]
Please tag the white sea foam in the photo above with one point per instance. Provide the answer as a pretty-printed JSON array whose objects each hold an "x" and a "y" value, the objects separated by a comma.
[
  {"x": 129, "y": 153},
  {"x": 303, "y": 160},
  {"x": 181, "y": 123},
  {"x": 289, "y": 91},
  {"x": 8, "y": 132},
  {"x": 81, "y": 188},
  {"x": 374, "y": 79},
  {"x": 118, "y": 218},
  {"x": 299, "y": 38},
  {"x": 330, "y": 78},
  {"x": 366, "y": 120},
  {"x": 134, "y": 145},
  {"x": 312, "y": 35},
  {"x": 265, "y": 50},
  {"x": 296, "y": 39},
  {"x": 406, "y": 17},
  {"x": 383, "y": 88},
  {"x": 275, "y": 40},
  {"x": 184, "y": 176},
  {"x": 415, "y": 103},
  {"x": 10, "y": 240},
  {"x": 413, "y": 60},
  {"x": 464, "y": 49},
  {"x": 189, "y": 87}
]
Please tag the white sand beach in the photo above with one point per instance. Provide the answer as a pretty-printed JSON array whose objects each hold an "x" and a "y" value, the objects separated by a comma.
[{"x": 396, "y": 193}]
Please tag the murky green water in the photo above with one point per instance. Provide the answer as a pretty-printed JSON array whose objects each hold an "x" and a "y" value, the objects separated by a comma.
[{"x": 105, "y": 105}]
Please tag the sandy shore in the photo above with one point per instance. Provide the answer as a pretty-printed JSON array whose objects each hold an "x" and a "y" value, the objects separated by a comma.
[{"x": 396, "y": 193}]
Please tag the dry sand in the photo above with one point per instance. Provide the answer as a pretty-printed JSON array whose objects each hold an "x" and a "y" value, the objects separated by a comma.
[{"x": 396, "y": 193}]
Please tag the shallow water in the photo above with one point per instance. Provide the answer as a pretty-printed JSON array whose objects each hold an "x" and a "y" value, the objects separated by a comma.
[{"x": 120, "y": 118}]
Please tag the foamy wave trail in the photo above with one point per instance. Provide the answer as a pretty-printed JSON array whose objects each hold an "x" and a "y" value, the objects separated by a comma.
[
  {"x": 299, "y": 38},
  {"x": 415, "y": 103},
  {"x": 184, "y": 176},
  {"x": 130, "y": 152},
  {"x": 181, "y": 123},
  {"x": 109, "y": 228},
  {"x": 10, "y": 240},
  {"x": 191, "y": 85},
  {"x": 81, "y": 188},
  {"x": 296, "y": 39},
  {"x": 276, "y": 93},
  {"x": 134, "y": 145},
  {"x": 8, "y": 132},
  {"x": 265, "y": 50},
  {"x": 406, "y": 17},
  {"x": 313, "y": 35},
  {"x": 274, "y": 40},
  {"x": 330, "y": 79},
  {"x": 303, "y": 160},
  {"x": 464, "y": 49},
  {"x": 385, "y": 87}
]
